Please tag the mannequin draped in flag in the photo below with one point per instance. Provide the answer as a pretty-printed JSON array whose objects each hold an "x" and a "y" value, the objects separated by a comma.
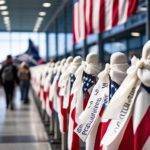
[
  {"x": 130, "y": 110},
  {"x": 83, "y": 85},
  {"x": 62, "y": 112},
  {"x": 108, "y": 83}
]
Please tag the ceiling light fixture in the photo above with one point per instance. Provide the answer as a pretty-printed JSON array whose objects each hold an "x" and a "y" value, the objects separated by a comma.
[
  {"x": 46, "y": 5},
  {"x": 2, "y": 2},
  {"x": 6, "y": 18},
  {"x": 3, "y": 7},
  {"x": 42, "y": 13},
  {"x": 136, "y": 34},
  {"x": 6, "y": 21},
  {"x": 38, "y": 24},
  {"x": 4, "y": 13}
]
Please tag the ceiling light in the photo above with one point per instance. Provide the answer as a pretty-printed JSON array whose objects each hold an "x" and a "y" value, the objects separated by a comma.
[
  {"x": 6, "y": 18},
  {"x": 6, "y": 22},
  {"x": 38, "y": 24},
  {"x": 136, "y": 34},
  {"x": 3, "y": 7},
  {"x": 46, "y": 5},
  {"x": 40, "y": 19},
  {"x": 5, "y": 13},
  {"x": 42, "y": 13},
  {"x": 2, "y": 2},
  {"x": 8, "y": 29}
]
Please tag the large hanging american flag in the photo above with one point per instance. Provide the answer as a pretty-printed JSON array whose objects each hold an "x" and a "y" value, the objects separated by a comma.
[{"x": 96, "y": 16}]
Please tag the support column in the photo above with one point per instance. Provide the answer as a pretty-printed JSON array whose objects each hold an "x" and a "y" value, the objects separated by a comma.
[
  {"x": 148, "y": 21},
  {"x": 56, "y": 33},
  {"x": 65, "y": 30},
  {"x": 101, "y": 49},
  {"x": 127, "y": 45},
  {"x": 47, "y": 46},
  {"x": 85, "y": 49},
  {"x": 64, "y": 135},
  {"x": 73, "y": 50}
]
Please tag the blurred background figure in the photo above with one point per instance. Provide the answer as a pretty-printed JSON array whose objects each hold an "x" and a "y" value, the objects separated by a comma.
[
  {"x": 8, "y": 77},
  {"x": 24, "y": 78}
]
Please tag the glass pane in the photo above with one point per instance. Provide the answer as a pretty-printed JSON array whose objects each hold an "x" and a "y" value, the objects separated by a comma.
[
  {"x": 16, "y": 43},
  {"x": 69, "y": 42},
  {"x": 61, "y": 44},
  {"x": 42, "y": 45},
  {"x": 52, "y": 44}
]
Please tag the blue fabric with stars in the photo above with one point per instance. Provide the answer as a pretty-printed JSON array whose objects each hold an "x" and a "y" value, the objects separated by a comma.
[
  {"x": 88, "y": 81},
  {"x": 72, "y": 79},
  {"x": 113, "y": 87}
]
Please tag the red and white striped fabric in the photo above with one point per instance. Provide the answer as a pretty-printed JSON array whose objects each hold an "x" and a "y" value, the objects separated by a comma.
[
  {"x": 96, "y": 16},
  {"x": 49, "y": 81},
  {"x": 73, "y": 139},
  {"x": 130, "y": 112},
  {"x": 136, "y": 132},
  {"x": 82, "y": 89}
]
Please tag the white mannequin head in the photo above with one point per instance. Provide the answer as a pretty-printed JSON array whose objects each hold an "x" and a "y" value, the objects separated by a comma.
[{"x": 118, "y": 58}]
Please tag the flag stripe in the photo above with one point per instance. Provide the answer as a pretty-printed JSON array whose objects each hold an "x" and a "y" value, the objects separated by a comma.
[
  {"x": 141, "y": 136},
  {"x": 132, "y": 5},
  {"x": 89, "y": 12},
  {"x": 123, "y": 7},
  {"x": 76, "y": 22},
  {"x": 82, "y": 19},
  {"x": 102, "y": 16},
  {"x": 115, "y": 13},
  {"x": 108, "y": 12},
  {"x": 95, "y": 15}
]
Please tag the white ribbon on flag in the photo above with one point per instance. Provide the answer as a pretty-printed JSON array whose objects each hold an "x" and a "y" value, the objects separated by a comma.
[
  {"x": 99, "y": 96},
  {"x": 121, "y": 104}
]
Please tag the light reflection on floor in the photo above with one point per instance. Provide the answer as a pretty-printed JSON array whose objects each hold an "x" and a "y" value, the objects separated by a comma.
[{"x": 21, "y": 129}]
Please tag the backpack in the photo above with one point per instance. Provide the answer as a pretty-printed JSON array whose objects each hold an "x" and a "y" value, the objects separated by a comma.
[
  {"x": 24, "y": 76},
  {"x": 7, "y": 74}
]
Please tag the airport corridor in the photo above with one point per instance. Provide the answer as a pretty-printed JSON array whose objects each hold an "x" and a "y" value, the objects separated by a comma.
[{"x": 22, "y": 128}]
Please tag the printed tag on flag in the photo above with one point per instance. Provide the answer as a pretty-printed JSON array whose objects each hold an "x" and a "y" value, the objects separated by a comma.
[
  {"x": 117, "y": 125},
  {"x": 87, "y": 120}
]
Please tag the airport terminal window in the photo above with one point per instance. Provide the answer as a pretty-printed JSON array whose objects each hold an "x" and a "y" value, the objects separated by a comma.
[
  {"x": 61, "y": 44},
  {"x": 69, "y": 42},
  {"x": 16, "y": 43},
  {"x": 52, "y": 44}
]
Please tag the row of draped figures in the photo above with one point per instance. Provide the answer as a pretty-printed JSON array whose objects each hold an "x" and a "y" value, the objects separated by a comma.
[{"x": 97, "y": 109}]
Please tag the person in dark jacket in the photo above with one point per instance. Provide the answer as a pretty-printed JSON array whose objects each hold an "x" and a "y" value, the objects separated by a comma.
[
  {"x": 24, "y": 78},
  {"x": 8, "y": 77}
]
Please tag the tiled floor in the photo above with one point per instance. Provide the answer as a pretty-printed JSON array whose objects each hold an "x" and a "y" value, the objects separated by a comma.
[{"x": 21, "y": 129}]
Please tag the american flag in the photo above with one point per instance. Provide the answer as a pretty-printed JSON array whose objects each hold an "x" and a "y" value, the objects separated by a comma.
[
  {"x": 96, "y": 16},
  {"x": 113, "y": 87},
  {"x": 88, "y": 82},
  {"x": 135, "y": 133}
]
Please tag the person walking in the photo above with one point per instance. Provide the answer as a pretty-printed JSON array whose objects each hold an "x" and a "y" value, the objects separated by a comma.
[
  {"x": 8, "y": 77},
  {"x": 24, "y": 78}
]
